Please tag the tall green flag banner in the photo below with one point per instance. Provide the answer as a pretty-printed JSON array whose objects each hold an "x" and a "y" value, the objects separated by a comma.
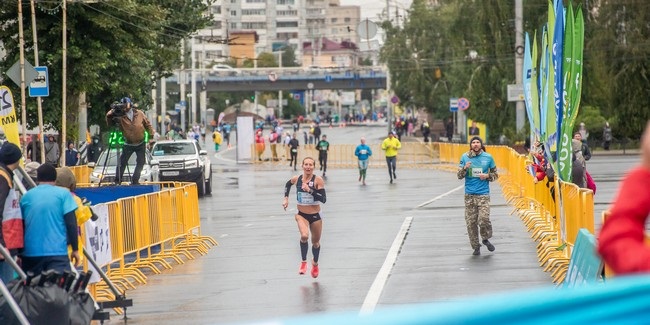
[
  {"x": 542, "y": 86},
  {"x": 578, "y": 50},
  {"x": 528, "y": 82},
  {"x": 551, "y": 113},
  {"x": 534, "y": 91}
]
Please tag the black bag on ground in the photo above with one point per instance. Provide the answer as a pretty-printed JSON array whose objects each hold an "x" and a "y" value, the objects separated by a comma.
[{"x": 42, "y": 302}]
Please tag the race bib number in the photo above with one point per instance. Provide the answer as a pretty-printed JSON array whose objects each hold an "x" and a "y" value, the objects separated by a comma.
[
  {"x": 294, "y": 150},
  {"x": 305, "y": 198},
  {"x": 363, "y": 152},
  {"x": 475, "y": 172}
]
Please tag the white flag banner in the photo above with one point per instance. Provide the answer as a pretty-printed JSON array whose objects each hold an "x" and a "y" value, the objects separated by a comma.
[{"x": 98, "y": 239}]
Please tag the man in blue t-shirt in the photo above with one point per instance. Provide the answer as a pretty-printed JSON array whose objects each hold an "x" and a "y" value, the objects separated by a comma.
[
  {"x": 478, "y": 169},
  {"x": 50, "y": 225}
]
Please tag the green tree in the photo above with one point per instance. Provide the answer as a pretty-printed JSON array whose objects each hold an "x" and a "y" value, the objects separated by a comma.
[
  {"x": 289, "y": 57},
  {"x": 114, "y": 49},
  {"x": 266, "y": 60},
  {"x": 617, "y": 68}
]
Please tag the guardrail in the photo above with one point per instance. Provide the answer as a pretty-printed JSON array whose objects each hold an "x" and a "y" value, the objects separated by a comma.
[{"x": 148, "y": 233}]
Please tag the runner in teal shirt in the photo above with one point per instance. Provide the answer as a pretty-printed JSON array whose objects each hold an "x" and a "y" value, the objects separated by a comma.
[{"x": 478, "y": 169}]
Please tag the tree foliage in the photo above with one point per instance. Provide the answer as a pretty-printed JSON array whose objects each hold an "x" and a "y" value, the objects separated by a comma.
[
  {"x": 114, "y": 49},
  {"x": 617, "y": 55},
  {"x": 466, "y": 48}
]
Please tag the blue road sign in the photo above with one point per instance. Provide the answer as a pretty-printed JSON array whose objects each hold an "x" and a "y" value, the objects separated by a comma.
[
  {"x": 40, "y": 87},
  {"x": 328, "y": 78},
  {"x": 453, "y": 104}
]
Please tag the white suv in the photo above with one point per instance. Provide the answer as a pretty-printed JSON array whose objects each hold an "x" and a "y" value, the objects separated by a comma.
[{"x": 185, "y": 161}]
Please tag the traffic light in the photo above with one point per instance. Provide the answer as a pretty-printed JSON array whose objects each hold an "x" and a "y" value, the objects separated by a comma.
[{"x": 252, "y": 97}]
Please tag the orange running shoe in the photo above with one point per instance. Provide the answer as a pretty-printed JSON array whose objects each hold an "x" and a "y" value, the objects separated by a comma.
[
  {"x": 314, "y": 271},
  {"x": 303, "y": 268}
]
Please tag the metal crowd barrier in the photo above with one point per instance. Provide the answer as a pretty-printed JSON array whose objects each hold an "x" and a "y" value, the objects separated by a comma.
[
  {"x": 148, "y": 234},
  {"x": 152, "y": 232}
]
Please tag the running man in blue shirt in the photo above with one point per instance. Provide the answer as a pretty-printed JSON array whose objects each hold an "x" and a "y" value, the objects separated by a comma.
[
  {"x": 478, "y": 169},
  {"x": 363, "y": 152}
]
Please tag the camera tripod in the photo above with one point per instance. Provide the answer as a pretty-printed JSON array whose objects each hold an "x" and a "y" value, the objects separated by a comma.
[{"x": 114, "y": 144}]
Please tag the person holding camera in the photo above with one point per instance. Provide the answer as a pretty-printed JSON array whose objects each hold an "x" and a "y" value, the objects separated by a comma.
[{"x": 133, "y": 124}]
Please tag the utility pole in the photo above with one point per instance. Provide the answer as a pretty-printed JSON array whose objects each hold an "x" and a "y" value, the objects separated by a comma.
[
  {"x": 181, "y": 78},
  {"x": 38, "y": 99},
  {"x": 163, "y": 105},
  {"x": 64, "y": 99},
  {"x": 193, "y": 85},
  {"x": 519, "y": 62},
  {"x": 21, "y": 40},
  {"x": 280, "y": 91}
]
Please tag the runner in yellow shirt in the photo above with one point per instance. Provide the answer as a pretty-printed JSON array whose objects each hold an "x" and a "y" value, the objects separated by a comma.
[{"x": 391, "y": 145}]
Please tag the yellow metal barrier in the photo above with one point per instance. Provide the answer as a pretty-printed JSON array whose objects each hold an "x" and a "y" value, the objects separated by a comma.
[
  {"x": 81, "y": 173},
  {"x": 147, "y": 232}
]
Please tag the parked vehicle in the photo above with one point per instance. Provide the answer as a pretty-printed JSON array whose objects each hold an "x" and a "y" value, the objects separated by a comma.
[
  {"x": 104, "y": 171},
  {"x": 225, "y": 69},
  {"x": 185, "y": 161}
]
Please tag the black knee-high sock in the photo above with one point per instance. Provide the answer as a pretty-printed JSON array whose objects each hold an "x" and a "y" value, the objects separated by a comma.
[
  {"x": 304, "y": 247},
  {"x": 315, "y": 251}
]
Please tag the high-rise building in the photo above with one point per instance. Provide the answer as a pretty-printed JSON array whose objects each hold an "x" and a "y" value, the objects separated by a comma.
[{"x": 277, "y": 23}]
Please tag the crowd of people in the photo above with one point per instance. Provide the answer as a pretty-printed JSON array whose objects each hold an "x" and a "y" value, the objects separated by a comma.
[{"x": 41, "y": 227}]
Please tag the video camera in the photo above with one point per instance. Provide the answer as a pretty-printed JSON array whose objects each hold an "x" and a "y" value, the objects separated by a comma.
[{"x": 119, "y": 109}]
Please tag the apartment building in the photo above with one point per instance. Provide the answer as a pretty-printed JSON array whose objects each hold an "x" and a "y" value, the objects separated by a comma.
[{"x": 277, "y": 23}]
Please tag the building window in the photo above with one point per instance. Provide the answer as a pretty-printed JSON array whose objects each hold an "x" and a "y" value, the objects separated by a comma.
[
  {"x": 348, "y": 19},
  {"x": 215, "y": 10},
  {"x": 252, "y": 12},
  {"x": 233, "y": 1},
  {"x": 253, "y": 25},
  {"x": 216, "y": 24},
  {"x": 281, "y": 24},
  {"x": 286, "y": 2},
  {"x": 233, "y": 13},
  {"x": 286, "y": 36},
  {"x": 233, "y": 25},
  {"x": 291, "y": 13},
  {"x": 334, "y": 20}
]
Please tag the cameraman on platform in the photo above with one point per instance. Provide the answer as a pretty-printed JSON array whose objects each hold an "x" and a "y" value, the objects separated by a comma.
[{"x": 133, "y": 124}]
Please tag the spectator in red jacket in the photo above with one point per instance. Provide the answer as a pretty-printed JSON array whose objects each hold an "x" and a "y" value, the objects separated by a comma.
[{"x": 622, "y": 238}]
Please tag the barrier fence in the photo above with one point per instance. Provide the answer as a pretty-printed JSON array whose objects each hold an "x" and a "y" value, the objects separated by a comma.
[{"x": 148, "y": 233}]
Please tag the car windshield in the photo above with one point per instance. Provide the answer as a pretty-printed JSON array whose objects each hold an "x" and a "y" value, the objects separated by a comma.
[
  {"x": 172, "y": 149},
  {"x": 112, "y": 160}
]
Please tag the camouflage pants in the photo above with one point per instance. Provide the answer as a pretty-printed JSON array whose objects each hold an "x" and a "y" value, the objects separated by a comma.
[{"x": 477, "y": 218}]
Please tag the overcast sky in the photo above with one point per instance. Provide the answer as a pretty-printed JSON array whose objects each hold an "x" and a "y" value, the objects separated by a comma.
[{"x": 371, "y": 8}]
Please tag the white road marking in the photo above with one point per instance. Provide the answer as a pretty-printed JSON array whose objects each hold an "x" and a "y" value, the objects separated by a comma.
[
  {"x": 382, "y": 276},
  {"x": 441, "y": 196},
  {"x": 372, "y": 298}
]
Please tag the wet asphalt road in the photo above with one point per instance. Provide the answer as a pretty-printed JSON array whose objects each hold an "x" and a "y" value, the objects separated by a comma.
[{"x": 383, "y": 244}]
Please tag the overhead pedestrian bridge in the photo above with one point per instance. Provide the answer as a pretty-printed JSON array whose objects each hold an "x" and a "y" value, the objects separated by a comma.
[{"x": 275, "y": 79}]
